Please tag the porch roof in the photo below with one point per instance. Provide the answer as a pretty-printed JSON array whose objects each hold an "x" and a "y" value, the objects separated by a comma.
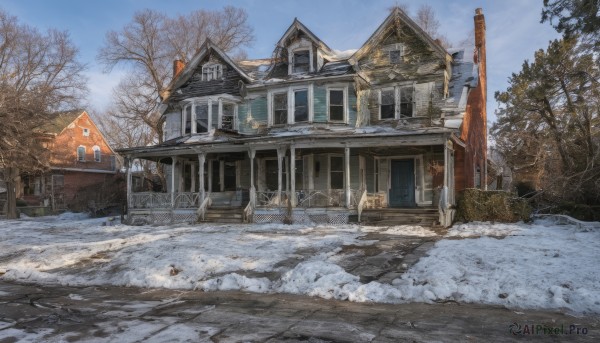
[{"x": 301, "y": 138}]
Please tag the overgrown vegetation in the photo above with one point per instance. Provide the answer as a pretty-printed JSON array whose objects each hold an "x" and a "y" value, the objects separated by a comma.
[
  {"x": 548, "y": 127},
  {"x": 498, "y": 206}
]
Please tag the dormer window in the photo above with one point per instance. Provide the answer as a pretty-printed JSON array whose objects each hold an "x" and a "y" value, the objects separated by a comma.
[
  {"x": 301, "y": 61},
  {"x": 212, "y": 72}
]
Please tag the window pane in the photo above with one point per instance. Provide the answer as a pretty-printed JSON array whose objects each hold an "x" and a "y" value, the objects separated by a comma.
[
  {"x": 201, "y": 117},
  {"x": 337, "y": 163},
  {"x": 388, "y": 107},
  {"x": 188, "y": 120},
  {"x": 336, "y": 97},
  {"x": 406, "y": 99},
  {"x": 336, "y": 113},
  {"x": 301, "y": 106},
  {"x": 301, "y": 61},
  {"x": 395, "y": 56},
  {"x": 280, "y": 108},
  {"x": 227, "y": 118}
]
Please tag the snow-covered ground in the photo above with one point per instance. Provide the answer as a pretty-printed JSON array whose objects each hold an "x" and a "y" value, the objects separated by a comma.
[{"x": 543, "y": 265}]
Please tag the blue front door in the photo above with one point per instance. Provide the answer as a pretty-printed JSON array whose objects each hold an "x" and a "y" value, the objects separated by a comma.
[{"x": 402, "y": 188}]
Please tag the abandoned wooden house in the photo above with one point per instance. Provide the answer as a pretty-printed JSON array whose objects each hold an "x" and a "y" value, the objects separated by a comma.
[
  {"x": 388, "y": 133},
  {"x": 82, "y": 165}
]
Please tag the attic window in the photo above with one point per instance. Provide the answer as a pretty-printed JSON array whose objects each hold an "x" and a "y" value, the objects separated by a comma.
[
  {"x": 395, "y": 52},
  {"x": 212, "y": 72},
  {"x": 301, "y": 61},
  {"x": 86, "y": 132}
]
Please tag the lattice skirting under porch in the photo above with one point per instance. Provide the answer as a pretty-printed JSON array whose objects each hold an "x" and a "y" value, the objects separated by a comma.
[
  {"x": 302, "y": 217},
  {"x": 158, "y": 217}
]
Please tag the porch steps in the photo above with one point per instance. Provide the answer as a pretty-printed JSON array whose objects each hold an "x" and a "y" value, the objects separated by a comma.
[
  {"x": 400, "y": 216},
  {"x": 215, "y": 214}
]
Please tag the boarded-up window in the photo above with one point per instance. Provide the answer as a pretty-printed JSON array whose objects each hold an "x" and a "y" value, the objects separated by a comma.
[
  {"x": 388, "y": 104},
  {"x": 336, "y": 105},
  {"x": 280, "y": 108},
  {"x": 301, "y": 106},
  {"x": 201, "y": 117},
  {"x": 301, "y": 61},
  {"x": 336, "y": 172},
  {"x": 81, "y": 154},
  {"x": 227, "y": 116},
  {"x": 212, "y": 72}
]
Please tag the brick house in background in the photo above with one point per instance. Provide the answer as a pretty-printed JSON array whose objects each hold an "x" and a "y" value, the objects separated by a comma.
[{"x": 83, "y": 166}]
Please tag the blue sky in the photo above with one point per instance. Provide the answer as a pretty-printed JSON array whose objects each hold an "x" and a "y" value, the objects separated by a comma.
[{"x": 513, "y": 28}]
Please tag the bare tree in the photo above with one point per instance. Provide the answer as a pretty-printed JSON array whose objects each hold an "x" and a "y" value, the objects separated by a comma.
[
  {"x": 39, "y": 74},
  {"x": 149, "y": 44},
  {"x": 427, "y": 20}
]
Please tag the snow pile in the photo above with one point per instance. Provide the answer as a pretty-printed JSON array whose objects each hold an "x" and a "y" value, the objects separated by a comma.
[
  {"x": 543, "y": 265},
  {"x": 478, "y": 229}
]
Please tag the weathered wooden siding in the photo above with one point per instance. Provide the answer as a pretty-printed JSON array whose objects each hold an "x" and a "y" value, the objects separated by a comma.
[
  {"x": 195, "y": 87},
  {"x": 352, "y": 110},
  {"x": 320, "y": 104}
]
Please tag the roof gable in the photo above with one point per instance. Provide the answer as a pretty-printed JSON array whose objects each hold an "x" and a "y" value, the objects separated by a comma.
[
  {"x": 190, "y": 68},
  {"x": 396, "y": 20},
  {"x": 296, "y": 27}
]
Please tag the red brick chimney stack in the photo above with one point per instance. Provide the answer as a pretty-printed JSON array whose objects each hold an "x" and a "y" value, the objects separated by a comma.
[{"x": 178, "y": 66}]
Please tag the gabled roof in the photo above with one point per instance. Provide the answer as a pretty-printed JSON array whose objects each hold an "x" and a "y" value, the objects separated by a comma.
[
  {"x": 56, "y": 122},
  {"x": 397, "y": 15},
  {"x": 189, "y": 69},
  {"x": 298, "y": 26}
]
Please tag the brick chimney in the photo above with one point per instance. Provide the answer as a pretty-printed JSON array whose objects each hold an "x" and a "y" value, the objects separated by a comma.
[
  {"x": 178, "y": 66},
  {"x": 480, "y": 38}
]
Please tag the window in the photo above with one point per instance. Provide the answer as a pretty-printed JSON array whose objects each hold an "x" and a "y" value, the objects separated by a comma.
[
  {"x": 336, "y": 105},
  {"x": 86, "y": 132},
  {"x": 406, "y": 102},
  {"x": 97, "y": 155},
  {"x": 201, "y": 117},
  {"x": 300, "y": 106},
  {"x": 336, "y": 172},
  {"x": 212, "y": 72},
  {"x": 301, "y": 61},
  {"x": 388, "y": 104},
  {"x": 399, "y": 99},
  {"x": 395, "y": 52},
  {"x": 81, "y": 154},
  {"x": 280, "y": 108},
  {"x": 187, "y": 119},
  {"x": 227, "y": 116}
]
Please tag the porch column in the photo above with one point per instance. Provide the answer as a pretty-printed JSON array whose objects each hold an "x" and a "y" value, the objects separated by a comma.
[
  {"x": 292, "y": 176},
  {"x": 252, "y": 154},
  {"x": 222, "y": 175},
  {"x": 129, "y": 181},
  {"x": 193, "y": 179},
  {"x": 201, "y": 161},
  {"x": 280, "y": 155},
  {"x": 347, "y": 175},
  {"x": 173, "y": 170}
]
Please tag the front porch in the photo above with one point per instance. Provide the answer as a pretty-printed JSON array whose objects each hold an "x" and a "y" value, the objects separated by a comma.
[{"x": 295, "y": 184}]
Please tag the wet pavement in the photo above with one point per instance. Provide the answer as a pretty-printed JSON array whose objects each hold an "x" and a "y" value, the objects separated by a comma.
[{"x": 117, "y": 314}]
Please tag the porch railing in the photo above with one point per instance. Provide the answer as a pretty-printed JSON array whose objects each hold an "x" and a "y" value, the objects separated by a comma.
[
  {"x": 201, "y": 212},
  {"x": 310, "y": 198},
  {"x": 150, "y": 200}
]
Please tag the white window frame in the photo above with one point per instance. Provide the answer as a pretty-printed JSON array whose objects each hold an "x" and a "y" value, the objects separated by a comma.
[
  {"x": 96, "y": 149},
  {"x": 86, "y": 132},
  {"x": 212, "y": 71},
  {"x": 184, "y": 118},
  {"x": 81, "y": 158},
  {"x": 395, "y": 47},
  {"x": 291, "y": 103},
  {"x": 344, "y": 89},
  {"x": 397, "y": 99},
  {"x": 271, "y": 103},
  {"x": 300, "y": 46}
]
